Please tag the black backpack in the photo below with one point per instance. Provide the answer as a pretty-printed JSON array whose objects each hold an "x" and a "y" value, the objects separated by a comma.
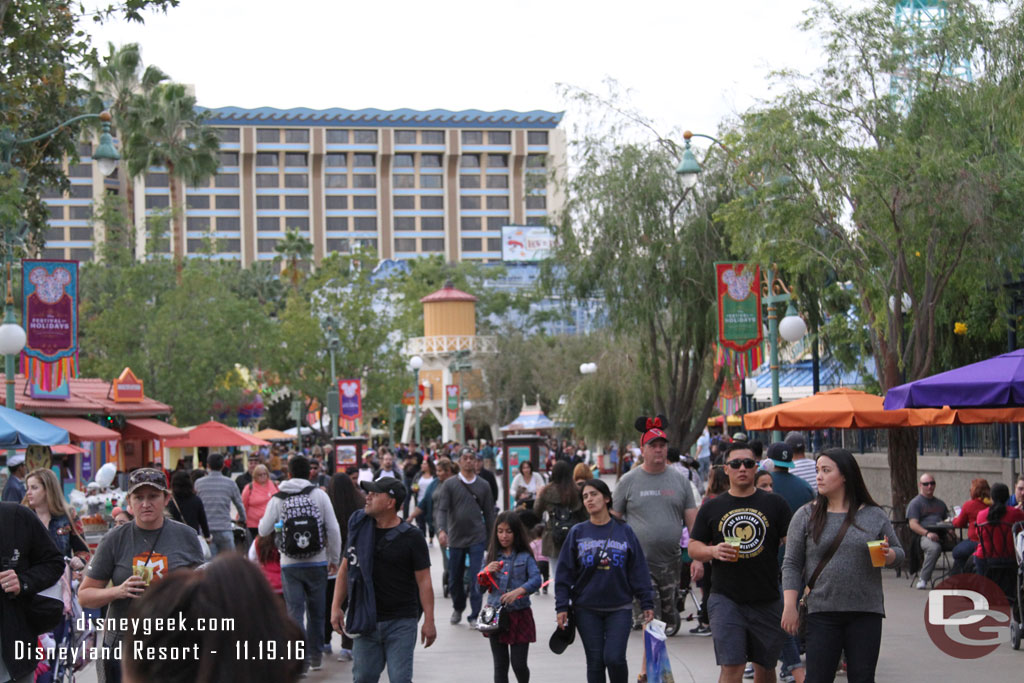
[
  {"x": 562, "y": 519},
  {"x": 303, "y": 532}
]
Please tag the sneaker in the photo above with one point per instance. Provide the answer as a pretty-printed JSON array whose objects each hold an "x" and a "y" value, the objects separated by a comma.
[
  {"x": 472, "y": 620},
  {"x": 456, "y": 617},
  {"x": 785, "y": 676},
  {"x": 749, "y": 671},
  {"x": 326, "y": 648},
  {"x": 701, "y": 630},
  {"x": 920, "y": 585},
  {"x": 344, "y": 655},
  {"x": 316, "y": 664}
]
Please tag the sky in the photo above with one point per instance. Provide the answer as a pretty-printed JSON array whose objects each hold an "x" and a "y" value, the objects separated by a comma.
[{"x": 685, "y": 63}]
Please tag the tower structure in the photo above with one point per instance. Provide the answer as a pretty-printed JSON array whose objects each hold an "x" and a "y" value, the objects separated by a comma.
[{"x": 922, "y": 17}]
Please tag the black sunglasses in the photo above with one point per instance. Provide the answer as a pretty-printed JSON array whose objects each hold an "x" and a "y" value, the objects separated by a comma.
[
  {"x": 927, "y": 483},
  {"x": 749, "y": 463}
]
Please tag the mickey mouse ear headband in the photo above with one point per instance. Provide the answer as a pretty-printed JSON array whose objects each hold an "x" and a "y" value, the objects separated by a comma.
[{"x": 652, "y": 428}]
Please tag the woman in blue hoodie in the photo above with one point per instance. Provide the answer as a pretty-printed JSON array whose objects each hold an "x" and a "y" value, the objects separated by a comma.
[{"x": 600, "y": 570}]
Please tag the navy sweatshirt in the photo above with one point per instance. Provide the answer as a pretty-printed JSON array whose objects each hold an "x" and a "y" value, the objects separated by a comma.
[{"x": 602, "y": 568}]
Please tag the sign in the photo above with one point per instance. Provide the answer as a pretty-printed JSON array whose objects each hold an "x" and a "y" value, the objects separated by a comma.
[
  {"x": 409, "y": 396},
  {"x": 128, "y": 388},
  {"x": 521, "y": 243},
  {"x": 451, "y": 399},
  {"x": 739, "y": 305},
  {"x": 516, "y": 455},
  {"x": 351, "y": 399},
  {"x": 50, "y": 304}
]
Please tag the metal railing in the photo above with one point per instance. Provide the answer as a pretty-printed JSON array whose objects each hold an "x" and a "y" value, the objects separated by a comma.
[{"x": 444, "y": 344}]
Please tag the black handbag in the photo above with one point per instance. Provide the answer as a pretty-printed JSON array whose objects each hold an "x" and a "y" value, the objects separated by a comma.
[{"x": 492, "y": 619}]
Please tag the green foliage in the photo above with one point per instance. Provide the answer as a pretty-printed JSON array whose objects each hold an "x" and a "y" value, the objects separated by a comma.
[{"x": 295, "y": 250}]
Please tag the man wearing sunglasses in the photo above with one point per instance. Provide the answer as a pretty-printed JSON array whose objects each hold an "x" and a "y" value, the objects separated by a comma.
[
  {"x": 923, "y": 511},
  {"x": 745, "y": 604}
]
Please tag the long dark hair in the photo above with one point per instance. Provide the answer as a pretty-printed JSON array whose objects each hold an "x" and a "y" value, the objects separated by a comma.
[
  {"x": 181, "y": 484},
  {"x": 1000, "y": 494},
  {"x": 520, "y": 541},
  {"x": 346, "y": 500},
  {"x": 266, "y": 549},
  {"x": 561, "y": 481},
  {"x": 856, "y": 491}
]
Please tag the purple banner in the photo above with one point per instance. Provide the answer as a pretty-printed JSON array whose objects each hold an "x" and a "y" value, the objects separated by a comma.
[
  {"x": 51, "y": 308},
  {"x": 351, "y": 392}
]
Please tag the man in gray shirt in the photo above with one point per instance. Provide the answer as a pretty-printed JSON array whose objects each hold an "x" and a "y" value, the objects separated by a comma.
[
  {"x": 218, "y": 494},
  {"x": 655, "y": 500},
  {"x": 464, "y": 517},
  {"x": 926, "y": 510}
]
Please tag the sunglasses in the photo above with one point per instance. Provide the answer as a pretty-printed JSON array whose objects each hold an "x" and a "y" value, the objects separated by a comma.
[
  {"x": 927, "y": 483},
  {"x": 749, "y": 463}
]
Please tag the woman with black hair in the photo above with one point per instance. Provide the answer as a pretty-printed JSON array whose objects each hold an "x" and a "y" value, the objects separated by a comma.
[
  {"x": 999, "y": 511},
  {"x": 601, "y": 569},
  {"x": 845, "y": 605},
  {"x": 346, "y": 499},
  {"x": 561, "y": 500},
  {"x": 186, "y": 507}
]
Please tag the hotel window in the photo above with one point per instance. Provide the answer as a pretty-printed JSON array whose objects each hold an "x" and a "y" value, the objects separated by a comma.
[
  {"x": 295, "y": 159},
  {"x": 268, "y": 135},
  {"x": 156, "y": 180},
  {"x": 296, "y": 223},
  {"x": 497, "y": 182},
  {"x": 470, "y": 203},
  {"x": 365, "y": 137},
  {"x": 536, "y": 220},
  {"x": 56, "y": 213},
  {"x": 228, "y": 158},
  {"x": 81, "y": 254},
  {"x": 472, "y": 137},
  {"x": 80, "y": 192},
  {"x": 405, "y": 223},
  {"x": 268, "y": 180},
  {"x": 339, "y": 244},
  {"x": 194, "y": 246},
  {"x": 470, "y": 161},
  {"x": 405, "y": 244},
  {"x": 366, "y": 223},
  {"x": 226, "y": 180},
  {"x": 432, "y": 137},
  {"x": 497, "y": 161},
  {"x": 198, "y": 201},
  {"x": 227, "y": 201},
  {"x": 293, "y": 202},
  {"x": 228, "y": 134},
  {"x": 229, "y": 223},
  {"x": 536, "y": 202},
  {"x": 470, "y": 223},
  {"x": 197, "y": 223},
  {"x": 265, "y": 201},
  {"x": 469, "y": 181},
  {"x": 268, "y": 224},
  {"x": 80, "y": 234},
  {"x": 80, "y": 171},
  {"x": 497, "y": 202},
  {"x": 296, "y": 180},
  {"x": 430, "y": 161},
  {"x": 428, "y": 202},
  {"x": 335, "y": 180},
  {"x": 157, "y": 201},
  {"x": 84, "y": 149},
  {"x": 496, "y": 222},
  {"x": 432, "y": 181},
  {"x": 54, "y": 234},
  {"x": 300, "y": 135},
  {"x": 403, "y": 181},
  {"x": 536, "y": 160},
  {"x": 364, "y": 161},
  {"x": 57, "y": 254},
  {"x": 266, "y": 246},
  {"x": 405, "y": 137},
  {"x": 267, "y": 159},
  {"x": 493, "y": 244},
  {"x": 336, "y": 202},
  {"x": 431, "y": 223},
  {"x": 80, "y": 213},
  {"x": 363, "y": 202},
  {"x": 229, "y": 246},
  {"x": 337, "y": 137},
  {"x": 336, "y": 160},
  {"x": 404, "y": 202},
  {"x": 432, "y": 244},
  {"x": 403, "y": 161},
  {"x": 471, "y": 244},
  {"x": 499, "y": 137},
  {"x": 364, "y": 181},
  {"x": 339, "y": 223},
  {"x": 537, "y": 137},
  {"x": 367, "y": 243}
]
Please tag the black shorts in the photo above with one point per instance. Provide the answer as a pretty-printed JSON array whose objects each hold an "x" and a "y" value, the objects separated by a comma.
[{"x": 746, "y": 633}]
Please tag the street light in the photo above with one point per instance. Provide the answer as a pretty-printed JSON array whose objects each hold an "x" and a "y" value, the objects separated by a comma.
[
  {"x": 12, "y": 335},
  {"x": 460, "y": 364},
  {"x": 588, "y": 368},
  {"x": 330, "y": 325},
  {"x": 415, "y": 363}
]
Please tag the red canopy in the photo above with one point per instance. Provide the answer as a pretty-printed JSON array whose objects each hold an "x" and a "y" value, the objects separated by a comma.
[{"x": 213, "y": 434}]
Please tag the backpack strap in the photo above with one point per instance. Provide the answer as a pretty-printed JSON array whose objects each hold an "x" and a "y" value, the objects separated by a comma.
[{"x": 285, "y": 496}]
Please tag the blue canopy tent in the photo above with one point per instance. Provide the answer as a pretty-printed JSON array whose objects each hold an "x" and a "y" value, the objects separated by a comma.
[{"x": 18, "y": 430}]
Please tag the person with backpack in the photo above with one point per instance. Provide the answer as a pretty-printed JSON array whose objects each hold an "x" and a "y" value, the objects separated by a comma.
[
  {"x": 560, "y": 499},
  {"x": 309, "y": 540},
  {"x": 385, "y": 577}
]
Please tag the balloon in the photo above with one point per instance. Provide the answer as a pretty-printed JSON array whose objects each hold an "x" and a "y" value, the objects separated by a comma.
[{"x": 106, "y": 474}]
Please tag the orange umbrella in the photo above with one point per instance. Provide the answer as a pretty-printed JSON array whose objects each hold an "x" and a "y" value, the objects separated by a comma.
[{"x": 838, "y": 408}]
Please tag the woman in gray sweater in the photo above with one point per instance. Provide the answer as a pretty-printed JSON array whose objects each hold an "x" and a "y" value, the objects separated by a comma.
[{"x": 846, "y": 606}]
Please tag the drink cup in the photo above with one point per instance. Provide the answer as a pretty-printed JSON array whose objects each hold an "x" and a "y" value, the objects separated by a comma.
[
  {"x": 143, "y": 572},
  {"x": 877, "y": 553},
  {"x": 734, "y": 541}
]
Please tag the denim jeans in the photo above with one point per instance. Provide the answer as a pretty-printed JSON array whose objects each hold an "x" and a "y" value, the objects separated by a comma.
[
  {"x": 223, "y": 542},
  {"x": 305, "y": 591},
  {"x": 830, "y": 634},
  {"x": 392, "y": 644},
  {"x": 604, "y": 636},
  {"x": 456, "y": 573}
]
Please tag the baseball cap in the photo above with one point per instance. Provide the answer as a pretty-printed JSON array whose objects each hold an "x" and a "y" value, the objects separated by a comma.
[
  {"x": 563, "y": 637},
  {"x": 740, "y": 436},
  {"x": 15, "y": 460},
  {"x": 796, "y": 440},
  {"x": 781, "y": 454},
  {"x": 147, "y": 476},
  {"x": 388, "y": 485},
  {"x": 652, "y": 435}
]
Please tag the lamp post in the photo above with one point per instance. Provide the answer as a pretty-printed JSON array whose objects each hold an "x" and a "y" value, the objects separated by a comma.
[
  {"x": 415, "y": 363},
  {"x": 460, "y": 364},
  {"x": 330, "y": 325},
  {"x": 12, "y": 335}
]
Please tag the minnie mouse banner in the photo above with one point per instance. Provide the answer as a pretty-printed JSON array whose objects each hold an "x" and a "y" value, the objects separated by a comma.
[
  {"x": 50, "y": 303},
  {"x": 351, "y": 393},
  {"x": 739, "y": 305}
]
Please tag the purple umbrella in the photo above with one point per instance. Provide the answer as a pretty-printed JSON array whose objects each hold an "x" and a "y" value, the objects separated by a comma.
[{"x": 994, "y": 383}]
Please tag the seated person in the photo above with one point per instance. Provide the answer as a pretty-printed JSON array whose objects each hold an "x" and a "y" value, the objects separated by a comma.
[
  {"x": 998, "y": 542},
  {"x": 968, "y": 518},
  {"x": 923, "y": 511}
]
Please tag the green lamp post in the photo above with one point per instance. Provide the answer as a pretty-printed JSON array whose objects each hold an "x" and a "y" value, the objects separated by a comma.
[
  {"x": 12, "y": 335},
  {"x": 460, "y": 364},
  {"x": 415, "y": 363}
]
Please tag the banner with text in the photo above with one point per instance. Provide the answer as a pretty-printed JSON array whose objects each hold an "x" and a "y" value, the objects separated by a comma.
[
  {"x": 50, "y": 305},
  {"x": 351, "y": 392},
  {"x": 739, "y": 305},
  {"x": 451, "y": 395}
]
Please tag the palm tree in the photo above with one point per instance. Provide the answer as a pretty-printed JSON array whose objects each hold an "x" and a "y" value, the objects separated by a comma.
[
  {"x": 294, "y": 249},
  {"x": 171, "y": 134},
  {"x": 120, "y": 85}
]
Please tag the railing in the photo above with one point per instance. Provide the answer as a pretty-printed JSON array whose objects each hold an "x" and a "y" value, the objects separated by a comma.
[
  {"x": 984, "y": 440},
  {"x": 443, "y": 344}
]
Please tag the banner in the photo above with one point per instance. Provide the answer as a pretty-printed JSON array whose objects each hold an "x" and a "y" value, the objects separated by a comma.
[
  {"x": 451, "y": 393},
  {"x": 522, "y": 244},
  {"x": 351, "y": 391},
  {"x": 50, "y": 306},
  {"x": 739, "y": 305}
]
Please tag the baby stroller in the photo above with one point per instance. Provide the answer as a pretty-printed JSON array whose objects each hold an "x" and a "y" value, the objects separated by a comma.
[
  {"x": 685, "y": 597},
  {"x": 1017, "y": 600},
  {"x": 1005, "y": 567}
]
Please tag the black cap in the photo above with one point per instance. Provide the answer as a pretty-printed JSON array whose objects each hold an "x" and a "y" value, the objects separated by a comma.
[
  {"x": 563, "y": 637},
  {"x": 388, "y": 485},
  {"x": 796, "y": 440},
  {"x": 781, "y": 454}
]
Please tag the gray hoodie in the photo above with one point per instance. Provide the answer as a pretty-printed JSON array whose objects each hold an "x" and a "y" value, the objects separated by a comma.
[{"x": 332, "y": 553}]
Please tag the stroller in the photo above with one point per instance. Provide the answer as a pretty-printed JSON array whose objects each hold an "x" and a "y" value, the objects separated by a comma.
[
  {"x": 68, "y": 639},
  {"x": 1017, "y": 600},
  {"x": 1005, "y": 567},
  {"x": 686, "y": 593}
]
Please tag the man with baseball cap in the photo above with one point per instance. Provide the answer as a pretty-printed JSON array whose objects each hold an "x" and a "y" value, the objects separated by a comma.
[
  {"x": 386, "y": 577},
  {"x": 655, "y": 500},
  {"x": 14, "y": 490},
  {"x": 803, "y": 466}
]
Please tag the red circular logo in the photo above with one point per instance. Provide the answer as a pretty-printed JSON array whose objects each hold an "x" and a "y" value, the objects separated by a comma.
[{"x": 967, "y": 616}]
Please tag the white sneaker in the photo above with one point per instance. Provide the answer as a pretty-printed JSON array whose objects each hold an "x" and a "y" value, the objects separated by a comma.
[
  {"x": 344, "y": 655},
  {"x": 920, "y": 585}
]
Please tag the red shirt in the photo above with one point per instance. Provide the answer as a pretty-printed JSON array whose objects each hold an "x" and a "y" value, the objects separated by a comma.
[
  {"x": 1002, "y": 542},
  {"x": 968, "y": 517}
]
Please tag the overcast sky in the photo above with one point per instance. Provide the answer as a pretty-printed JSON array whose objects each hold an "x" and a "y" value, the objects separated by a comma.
[{"x": 687, "y": 63}]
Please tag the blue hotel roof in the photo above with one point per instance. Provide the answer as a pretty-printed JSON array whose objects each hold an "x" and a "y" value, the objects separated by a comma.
[{"x": 377, "y": 118}]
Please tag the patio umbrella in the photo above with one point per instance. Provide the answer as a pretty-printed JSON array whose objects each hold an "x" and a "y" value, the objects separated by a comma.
[
  {"x": 272, "y": 435},
  {"x": 994, "y": 383},
  {"x": 18, "y": 430},
  {"x": 213, "y": 434},
  {"x": 839, "y": 409}
]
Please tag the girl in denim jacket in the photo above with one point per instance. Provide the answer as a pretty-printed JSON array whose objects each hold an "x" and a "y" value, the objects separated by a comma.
[{"x": 515, "y": 576}]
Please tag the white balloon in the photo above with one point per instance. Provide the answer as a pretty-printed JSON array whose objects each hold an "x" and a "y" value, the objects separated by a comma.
[{"x": 106, "y": 474}]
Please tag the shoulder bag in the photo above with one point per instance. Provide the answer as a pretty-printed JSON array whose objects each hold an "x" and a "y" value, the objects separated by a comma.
[{"x": 802, "y": 606}]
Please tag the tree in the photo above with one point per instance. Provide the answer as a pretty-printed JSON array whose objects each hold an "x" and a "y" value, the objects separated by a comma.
[
  {"x": 905, "y": 190},
  {"x": 294, "y": 249}
]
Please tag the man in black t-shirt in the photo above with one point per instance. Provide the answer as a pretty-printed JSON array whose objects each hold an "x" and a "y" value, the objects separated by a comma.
[
  {"x": 745, "y": 606},
  {"x": 401, "y": 587}
]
